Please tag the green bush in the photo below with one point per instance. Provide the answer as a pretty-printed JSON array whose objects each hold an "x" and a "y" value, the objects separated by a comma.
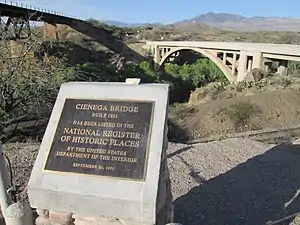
[
  {"x": 201, "y": 73},
  {"x": 293, "y": 68}
]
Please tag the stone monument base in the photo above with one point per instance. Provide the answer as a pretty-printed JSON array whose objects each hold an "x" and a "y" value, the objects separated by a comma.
[
  {"x": 164, "y": 214},
  {"x": 47, "y": 217}
]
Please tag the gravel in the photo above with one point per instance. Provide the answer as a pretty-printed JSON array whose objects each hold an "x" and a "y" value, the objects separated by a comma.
[
  {"x": 22, "y": 157},
  {"x": 196, "y": 164},
  {"x": 234, "y": 181}
]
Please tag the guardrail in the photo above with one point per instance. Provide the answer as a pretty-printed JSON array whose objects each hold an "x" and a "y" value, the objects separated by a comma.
[{"x": 26, "y": 6}]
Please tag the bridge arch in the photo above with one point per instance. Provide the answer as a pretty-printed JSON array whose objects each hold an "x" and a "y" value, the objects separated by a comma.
[{"x": 225, "y": 69}]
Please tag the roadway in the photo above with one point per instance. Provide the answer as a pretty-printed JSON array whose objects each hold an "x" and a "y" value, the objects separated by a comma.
[{"x": 18, "y": 10}]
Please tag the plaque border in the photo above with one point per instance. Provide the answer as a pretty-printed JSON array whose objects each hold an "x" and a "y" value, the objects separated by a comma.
[{"x": 102, "y": 176}]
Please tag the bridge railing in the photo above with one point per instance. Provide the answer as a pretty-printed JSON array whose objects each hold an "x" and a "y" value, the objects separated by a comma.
[{"x": 26, "y": 6}]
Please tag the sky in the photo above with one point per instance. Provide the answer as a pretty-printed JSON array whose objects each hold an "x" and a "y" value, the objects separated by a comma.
[{"x": 165, "y": 11}]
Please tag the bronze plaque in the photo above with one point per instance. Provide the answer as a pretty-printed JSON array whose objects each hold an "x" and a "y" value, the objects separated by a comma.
[{"x": 102, "y": 137}]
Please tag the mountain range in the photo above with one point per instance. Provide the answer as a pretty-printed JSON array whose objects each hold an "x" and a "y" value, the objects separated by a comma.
[
  {"x": 231, "y": 22},
  {"x": 121, "y": 24}
]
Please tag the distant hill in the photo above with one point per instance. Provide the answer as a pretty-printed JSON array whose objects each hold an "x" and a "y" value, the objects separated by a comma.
[
  {"x": 227, "y": 21},
  {"x": 121, "y": 24},
  {"x": 240, "y": 23},
  {"x": 218, "y": 18}
]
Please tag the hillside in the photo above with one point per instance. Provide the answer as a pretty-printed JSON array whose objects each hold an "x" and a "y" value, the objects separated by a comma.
[
  {"x": 220, "y": 110},
  {"x": 227, "y": 21},
  {"x": 201, "y": 32},
  {"x": 240, "y": 23}
]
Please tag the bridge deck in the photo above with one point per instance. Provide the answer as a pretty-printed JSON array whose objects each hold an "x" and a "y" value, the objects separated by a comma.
[
  {"x": 35, "y": 14},
  {"x": 278, "y": 49}
]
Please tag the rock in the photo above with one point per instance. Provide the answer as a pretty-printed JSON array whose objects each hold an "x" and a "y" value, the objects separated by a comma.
[
  {"x": 53, "y": 218},
  {"x": 253, "y": 75},
  {"x": 43, "y": 212},
  {"x": 86, "y": 220},
  {"x": 198, "y": 95},
  {"x": 296, "y": 142},
  {"x": 249, "y": 77},
  {"x": 44, "y": 221},
  {"x": 18, "y": 211},
  {"x": 257, "y": 74},
  {"x": 59, "y": 217}
]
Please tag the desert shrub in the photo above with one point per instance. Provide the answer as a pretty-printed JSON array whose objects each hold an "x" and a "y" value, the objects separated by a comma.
[
  {"x": 29, "y": 83},
  {"x": 293, "y": 67},
  {"x": 240, "y": 114},
  {"x": 175, "y": 132}
]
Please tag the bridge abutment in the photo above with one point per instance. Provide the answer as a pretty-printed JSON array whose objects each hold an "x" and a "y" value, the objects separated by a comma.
[{"x": 50, "y": 31}]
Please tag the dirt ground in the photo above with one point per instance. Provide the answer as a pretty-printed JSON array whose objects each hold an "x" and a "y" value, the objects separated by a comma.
[
  {"x": 275, "y": 109},
  {"x": 234, "y": 181}
]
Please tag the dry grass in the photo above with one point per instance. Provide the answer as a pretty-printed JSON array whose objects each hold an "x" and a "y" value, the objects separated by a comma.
[{"x": 236, "y": 113}]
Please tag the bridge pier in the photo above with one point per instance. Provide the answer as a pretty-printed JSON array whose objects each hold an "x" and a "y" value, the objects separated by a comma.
[
  {"x": 282, "y": 69},
  {"x": 156, "y": 54},
  {"x": 248, "y": 61},
  {"x": 242, "y": 67},
  {"x": 50, "y": 31},
  {"x": 257, "y": 60}
]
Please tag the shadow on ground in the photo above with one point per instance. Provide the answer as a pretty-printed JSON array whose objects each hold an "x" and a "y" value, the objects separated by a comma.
[{"x": 252, "y": 193}]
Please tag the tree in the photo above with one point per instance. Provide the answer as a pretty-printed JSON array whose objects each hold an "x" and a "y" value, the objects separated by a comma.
[
  {"x": 202, "y": 72},
  {"x": 28, "y": 85}
]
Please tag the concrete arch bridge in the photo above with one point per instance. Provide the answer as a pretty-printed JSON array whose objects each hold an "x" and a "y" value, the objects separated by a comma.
[{"x": 233, "y": 58}]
